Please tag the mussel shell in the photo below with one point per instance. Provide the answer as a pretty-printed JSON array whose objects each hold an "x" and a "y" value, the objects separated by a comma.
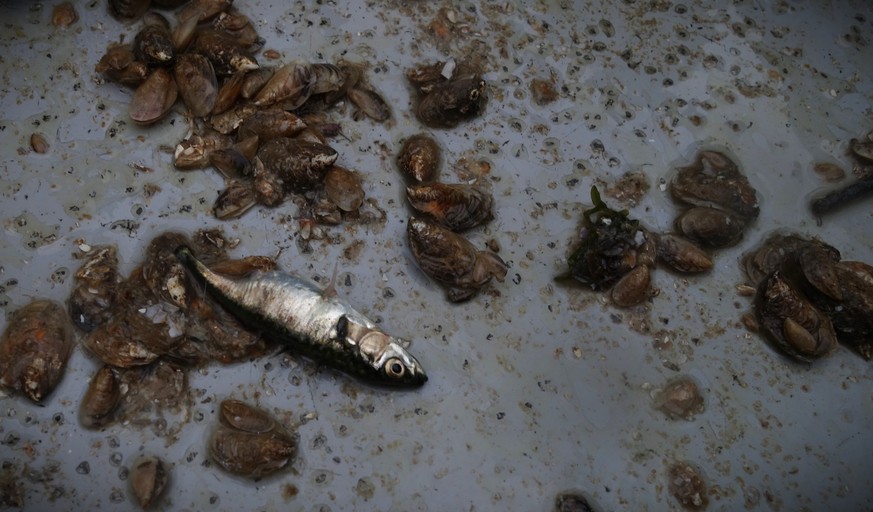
[
  {"x": 251, "y": 455},
  {"x": 710, "y": 227},
  {"x": 456, "y": 206},
  {"x": 790, "y": 321},
  {"x": 291, "y": 84},
  {"x": 243, "y": 417},
  {"x": 714, "y": 180},
  {"x": 197, "y": 84},
  {"x": 203, "y": 9},
  {"x": 344, "y": 188},
  {"x": 148, "y": 479},
  {"x": 237, "y": 198},
  {"x": 451, "y": 102},
  {"x": 632, "y": 288},
  {"x": 101, "y": 399},
  {"x": 300, "y": 165},
  {"x": 770, "y": 254},
  {"x": 154, "y": 98},
  {"x": 681, "y": 255},
  {"x": 226, "y": 55},
  {"x": 452, "y": 260},
  {"x": 128, "y": 10},
  {"x": 35, "y": 348},
  {"x": 127, "y": 340},
  {"x": 370, "y": 103},
  {"x": 271, "y": 123},
  {"x": 154, "y": 44},
  {"x": 419, "y": 158}
]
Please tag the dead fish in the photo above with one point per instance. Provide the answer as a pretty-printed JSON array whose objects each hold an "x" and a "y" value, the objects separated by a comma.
[
  {"x": 311, "y": 321},
  {"x": 35, "y": 348},
  {"x": 451, "y": 260},
  {"x": 455, "y": 206}
]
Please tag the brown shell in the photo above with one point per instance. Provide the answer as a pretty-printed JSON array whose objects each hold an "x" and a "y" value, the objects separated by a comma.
[
  {"x": 125, "y": 340},
  {"x": 457, "y": 206},
  {"x": 452, "y": 102},
  {"x": 154, "y": 98},
  {"x": 101, "y": 399},
  {"x": 681, "y": 255},
  {"x": 290, "y": 84},
  {"x": 715, "y": 180},
  {"x": 270, "y": 124},
  {"x": 369, "y": 103},
  {"x": 344, "y": 188},
  {"x": 96, "y": 283},
  {"x": 148, "y": 478},
  {"x": 251, "y": 455},
  {"x": 632, "y": 288},
  {"x": 710, "y": 226},
  {"x": 34, "y": 349},
  {"x": 237, "y": 198},
  {"x": 226, "y": 54},
  {"x": 154, "y": 44},
  {"x": 793, "y": 324},
  {"x": 197, "y": 84},
  {"x": 127, "y": 10},
  {"x": 300, "y": 165},
  {"x": 419, "y": 158},
  {"x": 452, "y": 260}
]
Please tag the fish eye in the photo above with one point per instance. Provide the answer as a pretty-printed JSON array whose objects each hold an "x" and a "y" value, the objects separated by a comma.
[{"x": 394, "y": 368}]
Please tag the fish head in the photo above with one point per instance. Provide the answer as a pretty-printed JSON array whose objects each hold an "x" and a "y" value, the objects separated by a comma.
[{"x": 389, "y": 363}]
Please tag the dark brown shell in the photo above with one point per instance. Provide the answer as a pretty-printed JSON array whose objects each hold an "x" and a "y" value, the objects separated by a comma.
[
  {"x": 852, "y": 312},
  {"x": 226, "y": 54},
  {"x": 632, "y": 288},
  {"x": 300, "y": 165},
  {"x": 197, "y": 84},
  {"x": 793, "y": 324},
  {"x": 419, "y": 158},
  {"x": 457, "y": 206},
  {"x": 34, "y": 349},
  {"x": 203, "y": 9},
  {"x": 154, "y": 44},
  {"x": 101, "y": 399},
  {"x": 370, "y": 103},
  {"x": 770, "y": 254},
  {"x": 125, "y": 340},
  {"x": 452, "y": 102},
  {"x": 452, "y": 260}
]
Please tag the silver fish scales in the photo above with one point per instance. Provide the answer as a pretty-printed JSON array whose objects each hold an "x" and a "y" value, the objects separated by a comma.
[{"x": 315, "y": 324}]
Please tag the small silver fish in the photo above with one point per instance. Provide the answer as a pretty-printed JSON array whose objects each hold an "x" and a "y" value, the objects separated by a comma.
[{"x": 312, "y": 322}]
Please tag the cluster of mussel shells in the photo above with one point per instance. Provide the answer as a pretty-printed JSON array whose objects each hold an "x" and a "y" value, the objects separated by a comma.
[
  {"x": 442, "y": 212},
  {"x": 146, "y": 329},
  {"x": 808, "y": 299},
  {"x": 618, "y": 253},
  {"x": 263, "y": 128}
]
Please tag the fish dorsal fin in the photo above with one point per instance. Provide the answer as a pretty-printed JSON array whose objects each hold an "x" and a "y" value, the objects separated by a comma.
[{"x": 329, "y": 291}]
